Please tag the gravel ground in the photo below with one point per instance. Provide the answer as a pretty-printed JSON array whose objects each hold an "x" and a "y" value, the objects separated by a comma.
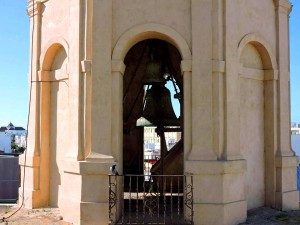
[
  {"x": 268, "y": 216},
  {"x": 51, "y": 216}
]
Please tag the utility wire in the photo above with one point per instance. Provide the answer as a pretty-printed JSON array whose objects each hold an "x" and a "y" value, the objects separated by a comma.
[{"x": 4, "y": 219}]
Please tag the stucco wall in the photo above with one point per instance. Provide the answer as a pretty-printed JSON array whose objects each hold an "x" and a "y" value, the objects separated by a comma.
[
  {"x": 257, "y": 16},
  {"x": 252, "y": 139},
  {"x": 176, "y": 15}
]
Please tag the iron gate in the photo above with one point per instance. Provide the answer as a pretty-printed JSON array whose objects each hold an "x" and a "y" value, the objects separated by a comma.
[{"x": 151, "y": 199}]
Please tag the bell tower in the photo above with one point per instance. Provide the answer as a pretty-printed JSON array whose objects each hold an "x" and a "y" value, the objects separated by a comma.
[{"x": 100, "y": 72}]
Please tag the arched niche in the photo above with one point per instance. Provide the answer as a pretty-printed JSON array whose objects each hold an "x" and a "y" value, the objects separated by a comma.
[
  {"x": 257, "y": 82},
  {"x": 54, "y": 117}
]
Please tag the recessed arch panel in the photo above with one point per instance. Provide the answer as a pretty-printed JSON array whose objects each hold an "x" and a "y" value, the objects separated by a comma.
[
  {"x": 50, "y": 51},
  {"x": 262, "y": 46}
]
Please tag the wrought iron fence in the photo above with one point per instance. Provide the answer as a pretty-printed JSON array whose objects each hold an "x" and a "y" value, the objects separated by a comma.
[{"x": 160, "y": 199}]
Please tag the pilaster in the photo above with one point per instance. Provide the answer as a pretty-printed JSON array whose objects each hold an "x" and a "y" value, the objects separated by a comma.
[
  {"x": 87, "y": 106},
  {"x": 201, "y": 82},
  {"x": 283, "y": 8},
  {"x": 218, "y": 73},
  {"x": 118, "y": 70},
  {"x": 86, "y": 70},
  {"x": 186, "y": 70},
  {"x": 286, "y": 196},
  {"x": 32, "y": 195},
  {"x": 34, "y": 13},
  {"x": 231, "y": 86},
  {"x": 101, "y": 116}
]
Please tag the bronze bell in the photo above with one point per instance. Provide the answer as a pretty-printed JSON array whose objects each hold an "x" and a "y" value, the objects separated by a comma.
[
  {"x": 153, "y": 73},
  {"x": 158, "y": 110}
]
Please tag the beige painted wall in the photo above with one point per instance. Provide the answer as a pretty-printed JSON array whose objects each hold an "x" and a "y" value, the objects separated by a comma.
[{"x": 257, "y": 16}]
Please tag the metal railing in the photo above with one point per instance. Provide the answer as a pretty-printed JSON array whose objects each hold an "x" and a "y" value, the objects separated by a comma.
[{"x": 162, "y": 199}]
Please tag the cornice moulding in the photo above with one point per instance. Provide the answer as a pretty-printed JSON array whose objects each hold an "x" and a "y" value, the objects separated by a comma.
[{"x": 283, "y": 5}]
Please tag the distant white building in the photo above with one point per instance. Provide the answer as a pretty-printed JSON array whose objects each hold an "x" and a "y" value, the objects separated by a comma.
[
  {"x": 20, "y": 140},
  {"x": 295, "y": 128},
  {"x": 152, "y": 140},
  {"x": 7, "y": 133}
]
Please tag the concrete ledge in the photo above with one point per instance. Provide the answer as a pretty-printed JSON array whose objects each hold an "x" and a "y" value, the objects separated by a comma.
[{"x": 88, "y": 167}]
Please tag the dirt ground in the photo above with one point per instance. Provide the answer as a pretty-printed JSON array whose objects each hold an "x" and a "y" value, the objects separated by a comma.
[
  {"x": 43, "y": 216},
  {"x": 51, "y": 216}
]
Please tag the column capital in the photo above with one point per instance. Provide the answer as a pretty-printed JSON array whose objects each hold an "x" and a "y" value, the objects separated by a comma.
[
  {"x": 118, "y": 66},
  {"x": 186, "y": 65},
  {"x": 283, "y": 6},
  {"x": 218, "y": 66},
  {"x": 34, "y": 8}
]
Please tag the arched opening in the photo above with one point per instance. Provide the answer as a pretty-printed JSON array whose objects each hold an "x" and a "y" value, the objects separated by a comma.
[
  {"x": 54, "y": 122},
  {"x": 256, "y": 126},
  {"x": 153, "y": 118},
  {"x": 134, "y": 142}
]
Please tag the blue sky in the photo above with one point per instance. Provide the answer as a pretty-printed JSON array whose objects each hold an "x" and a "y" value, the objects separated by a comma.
[
  {"x": 14, "y": 62},
  {"x": 295, "y": 61}
]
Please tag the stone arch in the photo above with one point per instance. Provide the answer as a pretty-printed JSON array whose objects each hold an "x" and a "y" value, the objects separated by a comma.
[
  {"x": 262, "y": 46},
  {"x": 258, "y": 75},
  {"x": 146, "y": 31},
  {"x": 54, "y": 112},
  {"x": 50, "y": 50},
  {"x": 131, "y": 37}
]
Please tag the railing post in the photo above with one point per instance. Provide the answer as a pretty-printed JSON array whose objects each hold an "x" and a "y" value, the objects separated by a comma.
[{"x": 112, "y": 199}]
